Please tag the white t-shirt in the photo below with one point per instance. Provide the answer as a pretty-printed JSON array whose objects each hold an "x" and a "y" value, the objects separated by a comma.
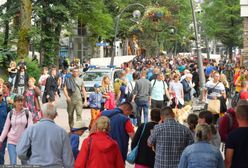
[
  {"x": 218, "y": 89},
  {"x": 177, "y": 87}
]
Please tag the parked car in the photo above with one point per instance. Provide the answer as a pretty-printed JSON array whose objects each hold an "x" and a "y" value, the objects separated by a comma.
[{"x": 93, "y": 76}]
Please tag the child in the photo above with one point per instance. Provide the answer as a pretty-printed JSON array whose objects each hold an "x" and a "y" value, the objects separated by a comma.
[
  {"x": 42, "y": 80},
  {"x": 122, "y": 94},
  {"x": 95, "y": 100},
  {"x": 77, "y": 130}
]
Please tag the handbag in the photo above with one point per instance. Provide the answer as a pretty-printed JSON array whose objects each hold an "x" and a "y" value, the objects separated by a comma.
[
  {"x": 214, "y": 106},
  {"x": 131, "y": 157}
]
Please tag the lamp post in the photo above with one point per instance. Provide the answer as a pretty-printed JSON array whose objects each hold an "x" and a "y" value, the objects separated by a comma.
[
  {"x": 172, "y": 30},
  {"x": 136, "y": 15},
  {"x": 199, "y": 56}
]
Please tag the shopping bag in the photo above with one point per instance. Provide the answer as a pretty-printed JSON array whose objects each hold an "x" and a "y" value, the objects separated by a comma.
[{"x": 214, "y": 106}]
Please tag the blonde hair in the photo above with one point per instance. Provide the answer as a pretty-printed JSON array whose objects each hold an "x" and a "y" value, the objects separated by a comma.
[
  {"x": 1, "y": 80},
  {"x": 103, "y": 80},
  {"x": 102, "y": 124},
  {"x": 202, "y": 132},
  {"x": 12, "y": 64},
  {"x": 32, "y": 79},
  {"x": 224, "y": 80}
]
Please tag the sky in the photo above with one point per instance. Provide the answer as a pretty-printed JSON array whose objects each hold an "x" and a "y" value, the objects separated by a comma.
[{"x": 2, "y": 1}]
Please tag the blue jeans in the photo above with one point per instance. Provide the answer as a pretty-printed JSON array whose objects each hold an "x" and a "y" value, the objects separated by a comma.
[
  {"x": 142, "y": 106},
  {"x": 2, "y": 152},
  {"x": 12, "y": 154}
]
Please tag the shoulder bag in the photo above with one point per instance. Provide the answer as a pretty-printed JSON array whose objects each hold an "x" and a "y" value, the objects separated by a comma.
[{"x": 131, "y": 157}]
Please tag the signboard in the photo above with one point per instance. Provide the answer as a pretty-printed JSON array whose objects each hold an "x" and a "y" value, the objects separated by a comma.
[
  {"x": 244, "y": 8},
  {"x": 102, "y": 44}
]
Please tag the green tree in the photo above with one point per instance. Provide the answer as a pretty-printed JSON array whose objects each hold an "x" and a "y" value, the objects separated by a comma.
[
  {"x": 222, "y": 21},
  {"x": 155, "y": 33},
  {"x": 97, "y": 21},
  {"x": 52, "y": 17}
]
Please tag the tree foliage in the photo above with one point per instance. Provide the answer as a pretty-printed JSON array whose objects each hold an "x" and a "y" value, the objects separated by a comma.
[
  {"x": 50, "y": 18},
  {"x": 221, "y": 20}
]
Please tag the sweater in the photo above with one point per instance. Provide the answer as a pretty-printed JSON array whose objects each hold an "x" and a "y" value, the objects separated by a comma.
[{"x": 18, "y": 123}]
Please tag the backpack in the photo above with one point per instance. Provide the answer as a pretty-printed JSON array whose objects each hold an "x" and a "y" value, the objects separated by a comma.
[
  {"x": 11, "y": 114},
  {"x": 129, "y": 95},
  {"x": 165, "y": 96},
  {"x": 230, "y": 121},
  {"x": 117, "y": 86}
]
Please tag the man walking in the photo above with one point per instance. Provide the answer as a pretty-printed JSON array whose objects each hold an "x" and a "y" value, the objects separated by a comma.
[
  {"x": 46, "y": 144},
  {"x": 74, "y": 92},
  {"x": 237, "y": 146},
  {"x": 142, "y": 96},
  {"x": 170, "y": 139},
  {"x": 121, "y": 126},
  {"x": 159, "y": 90}
]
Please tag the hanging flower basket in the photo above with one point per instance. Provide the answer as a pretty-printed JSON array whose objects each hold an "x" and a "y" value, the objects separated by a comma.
[{"x": 157, "y": 13}]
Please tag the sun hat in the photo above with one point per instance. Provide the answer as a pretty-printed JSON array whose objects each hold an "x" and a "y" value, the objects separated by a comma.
[{"x": 79, "y": 126}]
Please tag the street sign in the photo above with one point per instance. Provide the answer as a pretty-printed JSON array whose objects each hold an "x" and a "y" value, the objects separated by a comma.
[{"x": 102, "y": 44}]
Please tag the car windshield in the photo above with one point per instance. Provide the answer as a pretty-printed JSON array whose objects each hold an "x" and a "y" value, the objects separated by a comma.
[{"x": 94, "y": 76}]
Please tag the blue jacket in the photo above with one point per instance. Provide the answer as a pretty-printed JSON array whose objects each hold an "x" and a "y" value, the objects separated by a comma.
[
  {"x": 118, "y": 132},
  {"x": 95, "y": 100},
  {"x": 3, "y": 114},
  {"x": 74, "y": 140},
  {"x": 201, "y": 155}
]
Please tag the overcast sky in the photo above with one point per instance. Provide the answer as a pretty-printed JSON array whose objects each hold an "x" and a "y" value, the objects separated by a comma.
[{"x": 2, "y": 1}]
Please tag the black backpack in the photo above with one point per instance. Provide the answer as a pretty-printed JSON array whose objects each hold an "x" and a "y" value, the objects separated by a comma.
[{"x": 129, "y": 95}]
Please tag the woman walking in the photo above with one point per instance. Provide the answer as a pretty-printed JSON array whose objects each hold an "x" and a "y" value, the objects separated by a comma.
[
  {"x": 17, "y": 121},
  {"x": 99, "y": 149},
  {"x": 31, "y": 95}
]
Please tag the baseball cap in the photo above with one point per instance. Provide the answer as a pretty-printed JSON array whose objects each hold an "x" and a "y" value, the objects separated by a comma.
[{"x": 96, "y": 85}]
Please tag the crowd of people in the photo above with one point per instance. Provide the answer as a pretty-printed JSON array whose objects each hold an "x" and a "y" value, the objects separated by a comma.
[{"x": 120, "y": 111}]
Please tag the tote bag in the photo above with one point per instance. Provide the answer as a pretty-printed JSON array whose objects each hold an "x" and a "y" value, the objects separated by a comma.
[{"x": 214, "y": 106}]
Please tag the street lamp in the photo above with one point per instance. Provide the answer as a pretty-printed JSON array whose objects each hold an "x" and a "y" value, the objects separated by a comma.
[
  {"x": 172, "y": 31},
  {"x": 198, "y": 48},
  {"x": 136, "y": 15}
]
